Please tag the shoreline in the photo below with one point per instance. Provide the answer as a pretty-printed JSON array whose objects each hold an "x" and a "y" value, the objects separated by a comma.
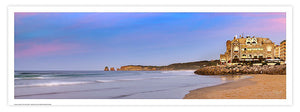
[{"x": 260, "y": 86}]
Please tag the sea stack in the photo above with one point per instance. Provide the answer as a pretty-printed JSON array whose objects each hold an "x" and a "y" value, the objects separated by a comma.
[
  {"x": 112, "y": 69},
  {"x": 106, "y": 69}
]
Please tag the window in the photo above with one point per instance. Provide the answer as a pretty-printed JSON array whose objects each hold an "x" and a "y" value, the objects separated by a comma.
[
  {"x": 236, "y": 49},
  {"x": 244, "y": 56},
  {"x": 254, "y": 41},
  {"x": 269, "y": 48},
  {"x": 235, "y": 57},
  {"x": 248, "y": 41}
]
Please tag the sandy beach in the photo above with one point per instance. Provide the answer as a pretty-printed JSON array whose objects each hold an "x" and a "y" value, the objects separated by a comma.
[{"x": 259, "y": 87}]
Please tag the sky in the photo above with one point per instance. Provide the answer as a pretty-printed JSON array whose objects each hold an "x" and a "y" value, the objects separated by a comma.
[{"x": 91, "y": 41}]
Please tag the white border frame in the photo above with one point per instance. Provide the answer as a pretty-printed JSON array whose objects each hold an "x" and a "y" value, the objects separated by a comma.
[{"x": 289, "y": 82}]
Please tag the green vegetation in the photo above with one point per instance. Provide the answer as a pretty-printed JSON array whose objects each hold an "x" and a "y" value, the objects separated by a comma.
[
  {"x": 192, "y": 65},
  {"x": 182, "y": 66}
]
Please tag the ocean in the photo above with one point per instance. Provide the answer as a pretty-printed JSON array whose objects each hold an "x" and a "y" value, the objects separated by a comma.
[{"x": 111, "y": 84}]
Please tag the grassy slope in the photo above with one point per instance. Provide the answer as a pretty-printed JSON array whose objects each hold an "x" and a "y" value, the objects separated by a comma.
[{"x": 184, "y": 66}]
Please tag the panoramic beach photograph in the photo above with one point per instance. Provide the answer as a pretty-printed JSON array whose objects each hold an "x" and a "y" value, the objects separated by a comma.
[{"x": 150, "y": 55}]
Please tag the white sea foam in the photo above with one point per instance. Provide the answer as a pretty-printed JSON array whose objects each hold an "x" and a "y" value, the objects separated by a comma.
[
  {"x": 161, "y": 77},
  {"x": 104, "y": 81},
  {"x": 53, "y": 84},
  {"x": 169, "y": 71},
  {"x": 33, "y": 78},
  {"x": 178, "y": 71},
  {"x": 128, "y": 84},
  {"x": 132, "y": 79}
]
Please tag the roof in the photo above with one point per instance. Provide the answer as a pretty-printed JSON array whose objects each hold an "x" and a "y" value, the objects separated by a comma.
[{"x": 282, "y": 41}]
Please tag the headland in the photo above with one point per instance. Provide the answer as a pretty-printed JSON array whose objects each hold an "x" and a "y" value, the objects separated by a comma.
[{"x": 175, "y": 66}]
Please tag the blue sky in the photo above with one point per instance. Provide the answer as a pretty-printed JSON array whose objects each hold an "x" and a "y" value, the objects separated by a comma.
[{"x": 91, "y": 41}]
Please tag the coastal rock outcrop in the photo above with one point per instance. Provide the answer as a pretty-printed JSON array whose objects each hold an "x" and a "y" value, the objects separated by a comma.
[
  {"x": 112, "y": 69},
  {"x": 135, "y": 68},
  {"x": 106, "y": 69},
  {"x": 239, "y": 69}
]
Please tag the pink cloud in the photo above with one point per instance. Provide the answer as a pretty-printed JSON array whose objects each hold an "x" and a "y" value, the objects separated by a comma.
[
  {"x": 270, "y": 25},
  {"x": 278, "y": 20},
  {"x": 263, "y": 27},
  {"x": 273, "y": 25},
  {"x": 21, "y": 15},
  {"x": 262, "y": 14},
  {"x": 251, "y": 14},
  {"x": 97, "y": 19},
  {"x": 24, "y": 14},
  {"x": 115, "y": 19},
  {"x": 32, "y": 49}
]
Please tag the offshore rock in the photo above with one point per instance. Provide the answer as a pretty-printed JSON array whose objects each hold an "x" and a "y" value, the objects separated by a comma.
[
  {"x": 112, "y": 69},
  {"x": 106, "y": 69}
]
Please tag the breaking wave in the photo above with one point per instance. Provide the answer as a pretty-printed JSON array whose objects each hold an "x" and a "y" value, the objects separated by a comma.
[
  {"x": 53, "y": 84},
  {"x": 86, "y": 82}
]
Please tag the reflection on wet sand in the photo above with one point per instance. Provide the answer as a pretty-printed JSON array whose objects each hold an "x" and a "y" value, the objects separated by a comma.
[{"x": 233, "y": 77}]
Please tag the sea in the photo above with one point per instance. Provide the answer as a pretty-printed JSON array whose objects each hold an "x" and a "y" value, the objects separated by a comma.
[{"x": 111, "y": 84}]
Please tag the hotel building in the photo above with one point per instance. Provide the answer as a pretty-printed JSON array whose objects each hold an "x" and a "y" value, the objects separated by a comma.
[
  {"x": 283, "y": 50},
  {"x": 277, "y": 51},
  {"x": 250, "y": 49}
]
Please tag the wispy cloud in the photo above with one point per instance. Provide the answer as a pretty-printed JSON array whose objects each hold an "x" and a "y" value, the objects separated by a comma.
[
  {"x": 36, "y": 49},
  {"x": 98, "y": 39},
  {"x": 109, "y": 20}
]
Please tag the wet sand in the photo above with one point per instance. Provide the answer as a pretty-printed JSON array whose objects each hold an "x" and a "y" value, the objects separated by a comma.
[{"x": 259, "y": 87}]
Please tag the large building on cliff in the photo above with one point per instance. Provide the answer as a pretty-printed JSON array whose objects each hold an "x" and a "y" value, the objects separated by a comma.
[{"x": 250, "y": 49}]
